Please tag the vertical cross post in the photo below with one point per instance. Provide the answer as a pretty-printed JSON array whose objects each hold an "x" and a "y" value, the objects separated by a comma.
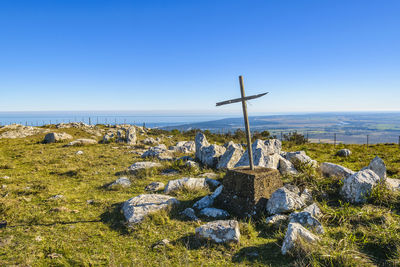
[{"x": 246, "y": 124}]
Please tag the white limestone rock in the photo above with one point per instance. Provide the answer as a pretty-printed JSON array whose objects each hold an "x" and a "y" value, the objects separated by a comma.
[
  {"x": 122, "y": 182},
  {"x": 300, "y": 156},
  {"x": 56, "y": 137},
  {"x": 137, "y": 208},
  {"x": 231, "y": 156},
  {"x": 143, "y": 165},
  {"x": 344, "y": 153},
  {"x": 295, "y": 232},
  {"x": 131, "y": 136},
  {"x": 284, "y": 200},
  {"x": 286, "y": 167},
  {"x": 263, "y": 155},
  {"x": 314, "y": 210},
  {"x": 82, "y": 141},
  {"x": 357, "y": 187},
  {"x": 210, "y": 155},
  {"x": 159, "y": 152},
  {"x": 333, "y": 170},
  {"x": 186, "y": 183},
  {"x": 221, "y": 231},
  {"x": 307, "y": 220},
  {"x": 306, "y": 196},
  {"x": 214, "y": 213},
  {"x": 377, "y": 165},
  {"x": 184, "y": 147},
  {"x": 192, "y": 164},
  {"x": 154, "y": 186},
  {"x": 208, "y": 201},
  {"x": 200, "y": 142}
]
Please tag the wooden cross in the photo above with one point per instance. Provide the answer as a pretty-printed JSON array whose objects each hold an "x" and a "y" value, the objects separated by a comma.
[{"x": 246, "y": 118}]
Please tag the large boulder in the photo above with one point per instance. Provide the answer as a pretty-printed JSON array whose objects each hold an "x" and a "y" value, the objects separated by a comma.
[
  {"x": 136, "y": 208},
  {"x": 294, "y": 233},
  {"x": 56, "y": 137},
  {"x": 263, "y": 154},
  {"x": 357, "y": 187},
  {"x": 344, "y": 153},
  {"x": 221, "y": 231},
  {"x": 333, "y": 170},
  {"x": 300, "y": 157},
  {"x": 143, "y": 165},
  {"x": 185, "y": 183},
  {"x": 200, "y": 142},
  {"x": 231, "y": 156},
  {"x": 82, "y": 141},
  {"x": 284, "y": 200},
  {"x": 131, "y": 135},
  {"x": 377, "y": 165}
]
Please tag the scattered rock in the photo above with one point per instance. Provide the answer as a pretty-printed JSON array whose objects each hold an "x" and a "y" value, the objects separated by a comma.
[
  {"x": 5, "y": 177},
  {"x": 377, "y": 165},
  {"x": 159, "y": 152},
  {"x": 286, "y": 167},
  {"x": 300, "y": 156},
  {"x": 357, "y": 187},
  {"x": 82, "y": 141},
  {"x": 393, "y": 184},
  {"x": 277, "y": 220},
  {"x": 155, "y": 186},
  {"x": 231, "y": 156},
  {"x": 136, "y": 208},
  {"x": 143, "y": 165},
  {"x": 307, "y": 220},
  {"x": 56, "y": 137},
  {"x": 79, "y": 152},
  {"x": 162, "y": 243},
  {"x": 121, "y": 182},
  {"x": 214, "y": 213},
  {"x": 344, "y": 153},
  {"x": 19, "y": 131},
  {"x": 284, "y": 201},
  {"x": 208, "y": 201},
  {"x": 184, "y": 147},
  {"x": 306, "y": 197},
  {"x": 185, "y": 183},
  {"x": 207, "y": 154},
  {"x": 330, "y": 169},
  {"x": 221, "y": 231},
  {"x": 295, "y": 232},
  {"x": 149, "y": 141},
  {"x": 54, "y": 256},
  {"x": 190, "y": 214},
  {"x": 314, "y": 210},
  {"x": 131, "y": 135},
  {"x": 90, "y": 201}
]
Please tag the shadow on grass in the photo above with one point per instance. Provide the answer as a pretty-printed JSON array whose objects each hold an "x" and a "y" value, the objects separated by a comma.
[
  {"x": 52, "y": 223},
  {"x": 115, "y": 219},
  {"x": 268, "y": 254}
]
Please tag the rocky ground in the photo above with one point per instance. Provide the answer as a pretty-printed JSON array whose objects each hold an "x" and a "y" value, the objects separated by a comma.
[{"x": 77, "y": 194}]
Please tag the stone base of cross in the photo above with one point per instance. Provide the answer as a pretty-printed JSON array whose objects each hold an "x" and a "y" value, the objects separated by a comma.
[{"x": 246, "y": 118}]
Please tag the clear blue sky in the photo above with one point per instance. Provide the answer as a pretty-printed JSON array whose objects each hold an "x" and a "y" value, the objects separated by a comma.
[{"x": 311, "y": 55}]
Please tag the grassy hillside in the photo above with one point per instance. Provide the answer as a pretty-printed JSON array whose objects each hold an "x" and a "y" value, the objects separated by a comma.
[{"x": 85, "y": 226}]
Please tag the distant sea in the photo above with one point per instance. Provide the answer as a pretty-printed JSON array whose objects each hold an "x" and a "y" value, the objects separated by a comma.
[{"x": 150, "y": 119}]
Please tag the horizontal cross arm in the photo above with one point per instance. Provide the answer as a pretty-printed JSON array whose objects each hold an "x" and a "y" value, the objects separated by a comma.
[{"x": 240, "y": 99}]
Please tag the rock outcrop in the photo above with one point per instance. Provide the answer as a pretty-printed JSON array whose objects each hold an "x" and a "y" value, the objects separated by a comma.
[
  {"x": 295, "y": 232},
  {"x": 186, "y": 183},
  {"x": 137, "y": 208},
  {"x": 231, "y": 156},
  {"x": 357, "y": 187},
  {"x": 143, "y": 165},
  {"x": 82, "y": 142},
  {"x": 221, "y": 231},
  {"x": 284, "y": 200},
  {"x": 334, "y": 170},
  {"x": 56, "y": 137}
]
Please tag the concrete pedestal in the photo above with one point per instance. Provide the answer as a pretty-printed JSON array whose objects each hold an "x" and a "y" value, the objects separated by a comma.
[{"x": 246, "y": 191}]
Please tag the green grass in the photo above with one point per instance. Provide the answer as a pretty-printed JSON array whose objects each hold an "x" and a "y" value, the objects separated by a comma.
[{"x": 72, "y": 232}]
